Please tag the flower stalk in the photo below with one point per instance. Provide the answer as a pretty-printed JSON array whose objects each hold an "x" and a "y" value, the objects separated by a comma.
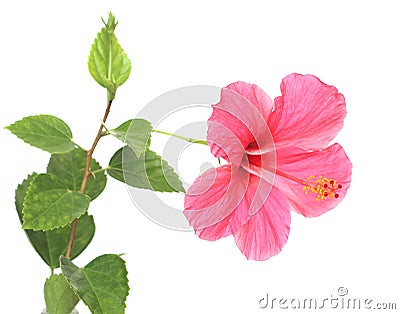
[{"x": 187, "y": 139}]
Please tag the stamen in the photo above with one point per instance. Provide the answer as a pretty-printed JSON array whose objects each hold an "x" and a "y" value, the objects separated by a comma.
[{"x": 322, "y": 187}]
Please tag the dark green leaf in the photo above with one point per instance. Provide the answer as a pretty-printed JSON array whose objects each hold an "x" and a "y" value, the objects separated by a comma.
[
  {"x": 51, "y": 244},
  {"x": 108, "y": 63},
  {"x": 49, "y": 204},
  {"x": 135, "y": 133},
  {"x": 149, "y": 171},
  {"x": 102, "y": 284},
  {"x": 69, "y": 168},
  {"x": 59, "y": 296},
  {"x": 45, "y": 132}
]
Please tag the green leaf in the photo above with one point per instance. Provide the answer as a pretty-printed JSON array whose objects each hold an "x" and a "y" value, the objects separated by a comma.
[
  {"x": 45, "y": 132},
  {"x": 69, "y": 168},
  {"x": 50, "y": 245},
  {"x": 108, "y": 64},
  {"x": 56, "y": 241},
  {"x": 49, "y": 204},
  {"x": 20, "y": 193},
  {"x": 135, "y": 133},
  {"x": 102, "y": 284},
  {"x": 59, "y": 296},
  {"x": 149, "y": 171}
]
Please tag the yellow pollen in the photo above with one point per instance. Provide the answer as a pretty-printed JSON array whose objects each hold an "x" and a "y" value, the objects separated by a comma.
[{"x": 322, "y": 187}]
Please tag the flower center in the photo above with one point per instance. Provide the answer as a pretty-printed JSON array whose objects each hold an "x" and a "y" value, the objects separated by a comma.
[{"x": 322, "y": 187}]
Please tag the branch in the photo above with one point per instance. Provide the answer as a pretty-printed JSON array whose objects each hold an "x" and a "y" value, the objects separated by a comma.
[{"x": 86, "y": 175}]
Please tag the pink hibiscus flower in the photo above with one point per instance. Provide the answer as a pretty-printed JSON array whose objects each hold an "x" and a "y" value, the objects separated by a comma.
[{"x": 277, "y": 161}]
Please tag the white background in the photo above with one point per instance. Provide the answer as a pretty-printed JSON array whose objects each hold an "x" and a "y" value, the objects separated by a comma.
[{"x": 353, "y": 45}]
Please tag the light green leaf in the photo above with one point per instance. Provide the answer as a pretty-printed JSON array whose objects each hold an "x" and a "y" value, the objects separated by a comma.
[
  {"x": 50, "y": 245},
  {"x": 59, "y": 296},
  {"x": 108, "y": 64},
  {"x": 45, "y": 132},
  {"x": 135, "y": 133},
  {"x": 69, "y": 168},
  {"x": 149, "y": 171},
  {"x": 102, "y": 284},
  {"x": 49, "y": 204}
]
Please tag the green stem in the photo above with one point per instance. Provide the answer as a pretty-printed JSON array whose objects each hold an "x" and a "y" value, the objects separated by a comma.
[
  {"x": 97, "y": 171},
  {"x": 187, "y": 139}
]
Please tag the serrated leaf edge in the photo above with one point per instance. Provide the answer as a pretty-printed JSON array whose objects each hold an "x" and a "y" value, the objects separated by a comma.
[
  {"x": 29, "y": 190},
  {"x": 8, "y": 127},
  {"x": 114, "y": 133},
  {"x": 81, "y": 268},
  {"x": 162, "y": 160},
  {"x": 72, "y": 289}
]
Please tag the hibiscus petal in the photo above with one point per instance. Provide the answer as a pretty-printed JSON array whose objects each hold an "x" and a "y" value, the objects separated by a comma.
[
  {"x": 264, "y": 235},
  {"x": 309, "y": 113},
  {"x": 238, "y": 120},
  {"x": 255, "y": 95},
  {"x": 215, "y": 204},
  {"x": 304, "y": 177},
  {"x": 221, "y": 200}
]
